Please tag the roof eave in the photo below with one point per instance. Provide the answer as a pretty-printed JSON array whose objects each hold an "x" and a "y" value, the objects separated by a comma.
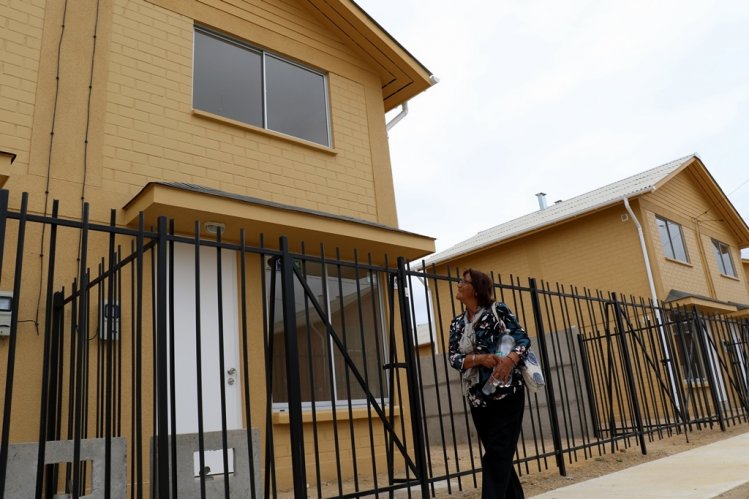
[
  {"x": 534, "y": 230},
  {"x": 717, "y": 196},
  {"x": 401, "y": 74}
]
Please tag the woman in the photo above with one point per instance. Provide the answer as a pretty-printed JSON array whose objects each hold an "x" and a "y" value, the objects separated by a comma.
[{"x": 498, "y": 417}]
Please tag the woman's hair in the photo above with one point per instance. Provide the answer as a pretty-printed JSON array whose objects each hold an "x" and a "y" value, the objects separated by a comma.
[{"x": 482, "y": 285}]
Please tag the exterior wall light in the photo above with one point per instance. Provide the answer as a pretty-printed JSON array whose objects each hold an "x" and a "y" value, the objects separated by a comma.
[{"x": 215, "y": 227}]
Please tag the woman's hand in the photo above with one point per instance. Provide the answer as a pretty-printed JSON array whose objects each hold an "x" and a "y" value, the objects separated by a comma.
[
  {"x": 490, "y": 360},
  {"x": 503, "y": 368}
]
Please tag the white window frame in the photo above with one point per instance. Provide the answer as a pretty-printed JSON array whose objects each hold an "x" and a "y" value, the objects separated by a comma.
[
  {"x": 343, "y": 402},
  {"x": 668, "y": 246},
  {"x": 721, "y": 251}
]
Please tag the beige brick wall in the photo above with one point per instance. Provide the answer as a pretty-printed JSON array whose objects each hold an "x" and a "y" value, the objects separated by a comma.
[
  {"x": 151, "y": 132},
  {"x": 600, "y": 251},
  {"x": 21, "y": 27}
]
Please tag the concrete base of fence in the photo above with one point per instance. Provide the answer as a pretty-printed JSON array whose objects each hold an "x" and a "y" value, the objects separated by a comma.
[
  {"x": 188, "y": 484},
  {"x": 22, "y": 466},
  {"x": 442, "y": 396}
]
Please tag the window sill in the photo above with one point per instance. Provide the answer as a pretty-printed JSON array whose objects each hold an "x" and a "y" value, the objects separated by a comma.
[
  {"x": 326, "y": 415},
  {"x": 265, "y": 132},
  {"x": 674, "y": 260},
  {"x": 732, "y": 277}
]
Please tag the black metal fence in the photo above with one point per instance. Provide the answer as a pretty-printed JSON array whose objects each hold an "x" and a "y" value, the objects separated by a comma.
[{"x": 144, "y": 363}]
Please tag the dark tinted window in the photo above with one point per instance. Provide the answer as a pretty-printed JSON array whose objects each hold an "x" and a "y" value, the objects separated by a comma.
[
  {"x": 236, "y": 81},
  {"x": 296, "y": 101},
  {"x": 228, "y": 79}
]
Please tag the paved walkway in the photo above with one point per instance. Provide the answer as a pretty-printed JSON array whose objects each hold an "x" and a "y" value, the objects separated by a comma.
[{"x": 700, "y": 473}]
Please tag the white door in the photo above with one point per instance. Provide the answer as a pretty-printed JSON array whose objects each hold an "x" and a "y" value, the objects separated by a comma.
[{"x": 185, "y": 340}]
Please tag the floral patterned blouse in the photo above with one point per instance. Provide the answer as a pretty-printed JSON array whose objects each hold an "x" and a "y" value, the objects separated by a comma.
[{"x": 487, "y": 333}]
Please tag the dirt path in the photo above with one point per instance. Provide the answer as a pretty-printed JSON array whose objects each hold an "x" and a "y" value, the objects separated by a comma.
[{"x": 535, "y": 483}]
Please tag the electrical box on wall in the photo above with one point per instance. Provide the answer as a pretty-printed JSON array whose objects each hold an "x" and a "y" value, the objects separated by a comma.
[
  {"x": 6, "y": 301},
  {"x": 109, "y": 317}
]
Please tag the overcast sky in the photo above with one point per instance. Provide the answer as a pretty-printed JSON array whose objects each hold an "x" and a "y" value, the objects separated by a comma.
[{"x": 562, "y": 97}]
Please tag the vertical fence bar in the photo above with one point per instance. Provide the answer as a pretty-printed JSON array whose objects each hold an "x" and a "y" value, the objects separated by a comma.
[
  {"x": 55, "y": 400},
  {"x": 49, "y": 354},
  {"x": 543, "y": 350},
  {"x": 222, "y": 361},
  {"x": 82, "y": 337},
  {"x": 245, "y": 357},
  {"x": 110, "y": 316},
  {"x": 330, "y": 352},
  {"x": 628, "y": 371},
  {"x": 293, "y": 379},
  {"x": 199, "y": 363},
  {"x": 138, "y": 360},
  {"x": 269, "y": 304},
  {"x": 13, "y": 331},
  {"x": 414, "y": 393},
  {"x": 172, "y": 363},
  {"x": 346, "y": 368},
  {"x": 161, "y": 357},
  {"x": 311, "y": 380}
]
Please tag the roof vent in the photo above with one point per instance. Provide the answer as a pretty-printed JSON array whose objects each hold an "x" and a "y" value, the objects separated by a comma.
[{"x": 541, "y": 200}]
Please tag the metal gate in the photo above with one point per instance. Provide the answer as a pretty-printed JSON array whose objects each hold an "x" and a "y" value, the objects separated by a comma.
[{"x": 107, "y": 362}]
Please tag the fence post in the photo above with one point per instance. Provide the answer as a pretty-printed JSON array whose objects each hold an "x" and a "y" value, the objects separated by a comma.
[
  {"x": 81, "y": 341},
  {"x": 162, "y": 373},
  {"x": 706, "y": 361},
  {"x": 414, "y": 393},
  {"x": 5, "y": 439},
  {"x": 49, "y": 375},
  {"x": 293, "y": 378},
  {"x": 628, "y": 372},
  {"x": 556, "y": 434}
]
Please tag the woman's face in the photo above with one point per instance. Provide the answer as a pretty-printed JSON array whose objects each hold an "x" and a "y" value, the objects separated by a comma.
[{"x": 465, "y": 290}]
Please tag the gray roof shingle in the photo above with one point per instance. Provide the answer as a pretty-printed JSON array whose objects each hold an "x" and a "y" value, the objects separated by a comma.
[{"x": 594, "y": 200}]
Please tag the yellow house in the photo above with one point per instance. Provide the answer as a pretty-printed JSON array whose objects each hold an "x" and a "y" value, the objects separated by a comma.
[
  {"x": 665, "y": 235},
  {"x": 254, "y": 119},
  {"x": 668, "y": 233}
]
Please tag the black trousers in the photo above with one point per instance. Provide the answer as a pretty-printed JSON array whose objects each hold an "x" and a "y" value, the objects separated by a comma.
[{"x": 498, "y": 425}]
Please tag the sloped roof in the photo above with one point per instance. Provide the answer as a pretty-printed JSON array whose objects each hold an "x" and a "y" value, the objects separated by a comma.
[{"x": 630, "y": 187}]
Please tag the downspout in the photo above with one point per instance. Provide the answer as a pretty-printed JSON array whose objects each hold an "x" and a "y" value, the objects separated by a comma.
[
  {"x": 398, "y": 117},
  {"x": 644, "y": 250},
  {"x": 654, "y": 297}
]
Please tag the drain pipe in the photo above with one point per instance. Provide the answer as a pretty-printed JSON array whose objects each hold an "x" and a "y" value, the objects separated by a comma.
[
  {"x": 653, "y": 297},
  {"x": 644, "y": 249},
  {"x": 398, "y": 117}
]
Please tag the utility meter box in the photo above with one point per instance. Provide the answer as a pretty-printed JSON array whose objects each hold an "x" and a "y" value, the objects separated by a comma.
[
  {"x": 6, "y": 300},
  {"x": 109, "y": 316}
]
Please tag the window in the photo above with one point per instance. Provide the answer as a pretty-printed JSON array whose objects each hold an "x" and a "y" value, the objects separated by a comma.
[
  {"x": 723, "y": 255},
  {"x": 350, "y": 298},
  {"x": 246, "y": 84},
  {"x": 686, "y": 343},
  {"x": 672, "y": 239}
]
